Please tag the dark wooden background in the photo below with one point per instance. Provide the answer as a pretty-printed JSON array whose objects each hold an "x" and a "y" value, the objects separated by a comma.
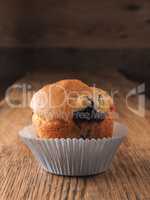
[
  {"x": 74, "y": 34},
  {"x": 80, "y": 24}
]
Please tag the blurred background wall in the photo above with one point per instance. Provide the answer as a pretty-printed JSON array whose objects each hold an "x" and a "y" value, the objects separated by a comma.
[{"x": 71, "y": 34}]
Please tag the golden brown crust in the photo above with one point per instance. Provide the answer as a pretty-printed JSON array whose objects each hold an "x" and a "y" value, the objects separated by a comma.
[
  {"x": 55, "y": 128},
  {"x": 55, "y": 118},
  {"x": 97, "y": 129},
  {"x": 61, "y": 99},
  {"x": 62, "y": 129}
]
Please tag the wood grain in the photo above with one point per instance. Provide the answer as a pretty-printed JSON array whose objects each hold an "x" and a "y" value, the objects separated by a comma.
[
  {"x": 102, "y": 24},
  {"x": 128, "y": 178}
]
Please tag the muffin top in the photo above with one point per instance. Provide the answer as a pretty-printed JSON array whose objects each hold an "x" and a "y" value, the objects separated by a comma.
[{"x": 71, "y": 99}]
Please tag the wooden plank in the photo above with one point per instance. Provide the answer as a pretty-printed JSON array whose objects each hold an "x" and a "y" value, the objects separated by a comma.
[
  {"x": 128, "y": 178},
  {"x": 101, "y": 24},
  {"x": 132, "y": 62}
]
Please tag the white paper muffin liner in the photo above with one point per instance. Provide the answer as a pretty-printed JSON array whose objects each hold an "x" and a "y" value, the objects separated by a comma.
[{"x": 74, "y": 157}]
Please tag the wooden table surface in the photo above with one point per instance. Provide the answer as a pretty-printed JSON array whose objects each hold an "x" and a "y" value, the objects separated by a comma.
[{"x": 128, "y": 177}]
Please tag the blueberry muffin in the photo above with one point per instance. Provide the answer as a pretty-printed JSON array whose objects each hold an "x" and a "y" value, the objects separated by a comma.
[{"x": 72, "y": 109}]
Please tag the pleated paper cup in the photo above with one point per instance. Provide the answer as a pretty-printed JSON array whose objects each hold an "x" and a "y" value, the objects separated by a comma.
[{"x": 74, "y": 157}]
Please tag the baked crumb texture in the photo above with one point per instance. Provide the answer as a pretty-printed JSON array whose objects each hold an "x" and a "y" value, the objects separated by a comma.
[{"x": 88, "y": 112}]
